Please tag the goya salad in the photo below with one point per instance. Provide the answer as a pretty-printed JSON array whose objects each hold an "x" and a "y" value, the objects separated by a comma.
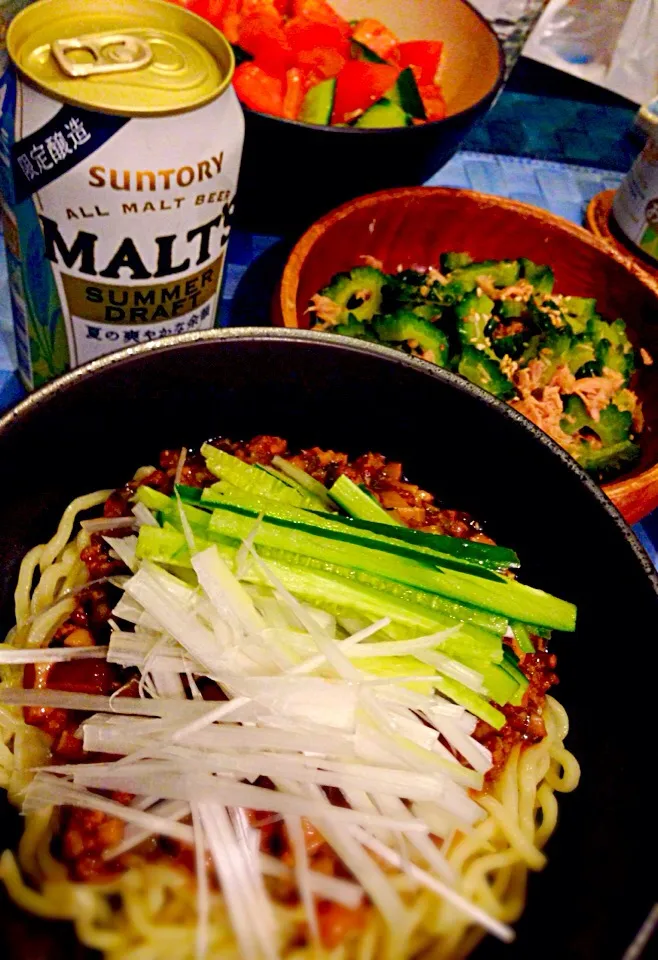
[
  {"x": 300, "y": 60},
  {"x": 499, "y": 324}
]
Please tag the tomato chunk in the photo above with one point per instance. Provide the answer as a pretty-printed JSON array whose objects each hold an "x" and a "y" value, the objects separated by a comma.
[
  {"x": 435, "y": 105},
  {"x": 321, "y": 63},
  {"x": 358, "y": 86},
  {"x": 294, "y": 95},
  {"x": 214, "y": 11},
  {"x": 376, "y": 37},
  {"x": 258, "y": 89},
  {"x": 262, "y": 35},
  {"x": 229, "y": 20},
  {"x": 258, "y": 6},
  {"x": 211, "y": 10},
  {"x": 322, "y": 12},
  {"x": 424, "y": 56},
  {"x": 303, "y": 34},
  {"x": 320, "y": 49}
]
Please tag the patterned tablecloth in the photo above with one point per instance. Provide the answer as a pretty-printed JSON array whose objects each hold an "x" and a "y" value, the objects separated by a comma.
[{"x": 255, "y": 262}]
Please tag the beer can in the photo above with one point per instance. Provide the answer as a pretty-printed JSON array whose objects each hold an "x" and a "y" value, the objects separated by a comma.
[
  {"x": 120, "y": 146},
  {"x": 635, "y": 205}
]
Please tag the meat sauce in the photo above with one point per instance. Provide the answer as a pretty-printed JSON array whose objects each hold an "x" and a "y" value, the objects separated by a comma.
[{"x": 85, "y": 835}]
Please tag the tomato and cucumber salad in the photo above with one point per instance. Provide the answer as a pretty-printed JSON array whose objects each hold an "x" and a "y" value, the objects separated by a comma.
[{"x": 300, "y": 60}]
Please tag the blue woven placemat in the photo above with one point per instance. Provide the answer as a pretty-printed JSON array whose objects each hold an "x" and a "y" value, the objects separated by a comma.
[
  {"x": 565, "y": 189},
  {"x": 557, "y": 128}
]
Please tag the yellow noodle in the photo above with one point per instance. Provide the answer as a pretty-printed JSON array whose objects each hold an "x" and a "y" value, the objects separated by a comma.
[
  {"x": 53, "y": 579},
  {"x": 149, "y": 911},
  {"x": 23, "y": 591},
  {"x": 31, "y": 749},
  {"x": 37, "y": 831},
  {"x": 556, "y": 719},
  {"x": 547, "y": 805},
  {"x": 506, "y": 787},
  {"x": 46, "y": 864},
  {"x": 6, "y": 765},
  {"x": 10, "y": 720},
  {"x": 533, "y": 764},
  {"x": 45, "y": 624},
  {"x": 55, "y": 546},
  {"x": 510, "y": 828},
  {"x": 76, "y": 576},
  {"x": 564, "y": 771},
  {"x": 38, "y": 903}
]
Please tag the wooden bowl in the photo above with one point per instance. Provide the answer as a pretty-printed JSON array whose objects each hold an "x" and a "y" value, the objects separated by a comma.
[
  {"x": 294, "y": 172},
  {"x": 600, "y": 221},
  {"x": 414, "y": 225}
]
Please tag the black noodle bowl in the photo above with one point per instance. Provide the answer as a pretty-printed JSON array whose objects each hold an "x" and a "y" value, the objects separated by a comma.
[{"x": 91, "y": 428}]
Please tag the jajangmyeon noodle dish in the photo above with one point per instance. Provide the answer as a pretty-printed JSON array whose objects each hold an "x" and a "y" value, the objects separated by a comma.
[{"x": 261, "y": 705}]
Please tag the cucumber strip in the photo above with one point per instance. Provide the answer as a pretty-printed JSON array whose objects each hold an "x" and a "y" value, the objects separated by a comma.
[
  {"x": 481, "y": 554},
  {"x": 406, "y": 94},
  {"x": 393, "y": 563},
  {"x": 471, "y": 657},
  {"x": 323, "y": 503},
  {"x": 400, "y": 666},
  {"x": 168, "y": 508},
  {"x": 318, "y": 103},
  {"x": 504, "y": 596},
  {"x": 509, "y": 664},
  {"x": 275, "y": 473},
  {"x": 222, "y": 496},
  {"x": 499, "y": 685},
  {"x": 448, "y": 548},
  {"x": 333, "y": 593},
  {"x": 304, "y": 480},
  {"x": 481, "y": 650},
  {"x": 473, "y": 702},
  {"x": 522, "y": 637},
  {"x": 517, "y": 699},
  {"x": 344, "y": 597},
  {"x": 165, "y": 545},
  {"x": 251, "y": 478},
  {"x": 487, "y": 643},
  {"x": 358, "y": 503},
  {"x": 189, "y": 494},
  {"x": 485, "y": 621},
  {"x": 362, "y": 52},
  {"x": 153, "y": 499}
]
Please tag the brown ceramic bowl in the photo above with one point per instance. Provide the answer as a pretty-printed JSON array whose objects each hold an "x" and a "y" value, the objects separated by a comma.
[
  {"x": 293, "y": 172},
  {"x": 415, "y": 225}
]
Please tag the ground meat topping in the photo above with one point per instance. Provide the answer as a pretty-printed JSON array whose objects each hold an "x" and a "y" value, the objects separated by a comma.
[
  {"x": 84, "y": 837},
  {"x": 525, "y": 724}
]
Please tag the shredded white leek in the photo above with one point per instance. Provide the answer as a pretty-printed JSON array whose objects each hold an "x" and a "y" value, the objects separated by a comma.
[
  {"x": 299, "y": 711},
  {"x": 50, "y": 654}
]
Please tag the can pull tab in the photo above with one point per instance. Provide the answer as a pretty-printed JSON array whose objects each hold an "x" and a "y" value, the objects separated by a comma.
[{"x": 111, "y": 53}]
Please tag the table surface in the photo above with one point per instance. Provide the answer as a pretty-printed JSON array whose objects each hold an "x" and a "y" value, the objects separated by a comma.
[{"x": 549, "y": 140}]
